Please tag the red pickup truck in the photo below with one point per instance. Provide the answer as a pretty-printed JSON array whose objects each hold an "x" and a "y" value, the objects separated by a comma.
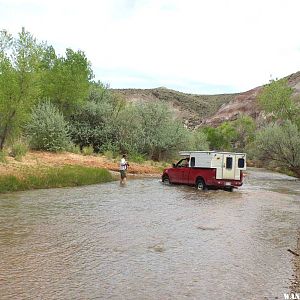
[{"x": 205, "y": 169}]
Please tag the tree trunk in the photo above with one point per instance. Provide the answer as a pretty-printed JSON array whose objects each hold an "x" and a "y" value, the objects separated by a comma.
[{"x": 6, "y": 130}]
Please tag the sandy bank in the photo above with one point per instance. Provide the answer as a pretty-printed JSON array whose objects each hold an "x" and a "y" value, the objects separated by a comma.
[{"x": 36, "y": 159}]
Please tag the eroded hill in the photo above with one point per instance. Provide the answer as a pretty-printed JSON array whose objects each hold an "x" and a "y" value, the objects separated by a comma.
[{"x": 197, "y": 110}]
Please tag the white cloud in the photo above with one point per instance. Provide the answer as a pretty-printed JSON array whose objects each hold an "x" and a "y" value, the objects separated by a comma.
[{"x": 232, "y": 44}]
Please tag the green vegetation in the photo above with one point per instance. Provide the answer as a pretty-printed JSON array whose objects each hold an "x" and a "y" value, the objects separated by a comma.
[
  {"x": 47, "y": 128},
  {"x": 231, "y": 136},
  {"x": 53, "y": 102},
  {"x": 66, "y": 79},
  {"x": 88, "y": 150},
  {"x": 19, "y": 76},
  {"x": 279, "y": 140},
  {"x": 54, "y": 177},
  {"x": 280, "y": 143},
  {"x": 19, "y": 149},
  {"x": 3, "y": 157},
  {"x": 276, "y": 100}
]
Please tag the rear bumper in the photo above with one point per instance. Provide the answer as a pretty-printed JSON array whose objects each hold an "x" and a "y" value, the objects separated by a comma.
[{"x": 225, "y": 183}]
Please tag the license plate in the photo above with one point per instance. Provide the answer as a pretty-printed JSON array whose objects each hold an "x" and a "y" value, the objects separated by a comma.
[{"x": 228, "y": 183}]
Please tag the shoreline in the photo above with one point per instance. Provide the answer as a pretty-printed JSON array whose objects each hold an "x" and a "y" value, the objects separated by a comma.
[
  {"x": 296, "y": 281},
  {"x": 39, "y": 169}
]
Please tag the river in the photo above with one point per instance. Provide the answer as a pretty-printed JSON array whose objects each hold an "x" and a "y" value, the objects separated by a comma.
[{"x": 150, "y": 241}]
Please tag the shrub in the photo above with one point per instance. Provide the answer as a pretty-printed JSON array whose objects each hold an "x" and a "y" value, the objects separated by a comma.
[
  {"x": 94, "y": 124},
  {"x": 74, "y": 148},
  {"x": 88, "y": 150},
  {"x": 280, "y": 143},
  {"x": 47, "y": 129},
  {"x": 19, "y": 149},
  {"x": 3, "y": 157},
  {"x": 138, "y": 158},
  {"x": 109, "y": 154},
  {"x": 198, "y": 141}
]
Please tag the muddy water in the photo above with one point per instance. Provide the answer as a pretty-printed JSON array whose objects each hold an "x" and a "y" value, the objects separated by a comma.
[{"x": 150, "y": 241}]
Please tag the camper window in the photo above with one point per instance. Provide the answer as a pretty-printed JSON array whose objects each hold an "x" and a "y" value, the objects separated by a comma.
[
  {"x": 192, "y": 162},
  {"x": 228, "y": 162},
  {"x": 241, "y": 163}
]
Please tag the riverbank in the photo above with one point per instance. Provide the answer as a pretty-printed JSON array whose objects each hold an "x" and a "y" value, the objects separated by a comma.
[
  {"x": 46, "y": 169},
  {"x": 53, "y": 177},
  {"x": 296, "y": 283}
]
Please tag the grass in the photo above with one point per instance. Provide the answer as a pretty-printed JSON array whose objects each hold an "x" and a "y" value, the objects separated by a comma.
[{"x": 54, "y": 177}]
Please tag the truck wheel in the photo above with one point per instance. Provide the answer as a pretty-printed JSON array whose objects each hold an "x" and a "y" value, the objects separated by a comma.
[
  {"x": 200, "y": 184},
  {"x": 166, "y": 180}
]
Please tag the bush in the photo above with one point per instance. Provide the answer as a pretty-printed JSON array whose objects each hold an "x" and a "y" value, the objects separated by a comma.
[
  {"x": 74, "y": 148},
  {"x": 47, "y": 129},
  {"x": 19, "y": 149},
  {"x": 110, "y": 154},
  {"x": 280, "y": 143},
  {"x": 198, "y": 141},
  {"x": 88, "y": 150},
  {"x": 3, "y": 157},
  {"x": 137, "y": 158},
  {"x": 94, "y": 124}
]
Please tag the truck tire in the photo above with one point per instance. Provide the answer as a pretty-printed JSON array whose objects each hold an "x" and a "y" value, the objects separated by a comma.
[
  {"x": 166, "y": 180},
  {"x": 200, "y": 184}
]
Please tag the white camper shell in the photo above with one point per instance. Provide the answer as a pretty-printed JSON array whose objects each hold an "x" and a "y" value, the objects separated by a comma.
[{"x": 228, "y": 165}]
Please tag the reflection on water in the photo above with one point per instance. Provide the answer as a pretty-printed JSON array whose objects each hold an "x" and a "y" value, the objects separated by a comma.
[{"x": 150, "y": 241}]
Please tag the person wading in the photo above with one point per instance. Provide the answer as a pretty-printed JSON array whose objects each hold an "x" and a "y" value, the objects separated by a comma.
[{"x": 123, "y": 169}]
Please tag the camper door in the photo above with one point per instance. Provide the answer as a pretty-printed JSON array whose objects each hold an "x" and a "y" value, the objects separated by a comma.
[{"x": 228, "y": 166}]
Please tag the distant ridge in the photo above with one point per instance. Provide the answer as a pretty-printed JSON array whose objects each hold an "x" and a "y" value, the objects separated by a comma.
[{"x": 199, "y": 110}]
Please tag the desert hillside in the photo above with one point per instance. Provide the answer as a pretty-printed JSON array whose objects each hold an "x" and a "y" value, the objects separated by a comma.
[{"x": 197, "y": 110}]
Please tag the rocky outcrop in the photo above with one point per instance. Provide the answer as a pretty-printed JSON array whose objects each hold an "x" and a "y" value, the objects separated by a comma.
[{"x": 242, "y": 104}]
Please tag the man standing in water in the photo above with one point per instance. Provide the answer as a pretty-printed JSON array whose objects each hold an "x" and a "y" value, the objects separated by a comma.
[{"x": 123, "y": 168}]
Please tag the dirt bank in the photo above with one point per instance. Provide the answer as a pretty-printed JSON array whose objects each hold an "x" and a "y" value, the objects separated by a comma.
[
  {"x": 297, "y": 266},
  {"x": 36, "y": 159}
]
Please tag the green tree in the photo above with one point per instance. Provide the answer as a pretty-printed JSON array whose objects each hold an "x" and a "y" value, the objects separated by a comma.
[
  {"x": 19, "y": 84},
  {"x": 221, "y": 137},
  {"x": 276, "y": 100},
  {"x": 198, "y": 141},
  {"x": 245, "y": 132},
  {"x": 280, "y": 143},
  {"x": 66, "y": 80}
]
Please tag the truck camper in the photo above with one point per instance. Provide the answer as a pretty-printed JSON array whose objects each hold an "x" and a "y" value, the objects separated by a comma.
[{"x": 205, "y": 169}]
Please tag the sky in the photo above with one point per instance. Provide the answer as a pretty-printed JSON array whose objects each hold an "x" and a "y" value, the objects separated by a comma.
[{"x": 192, "y": 46}]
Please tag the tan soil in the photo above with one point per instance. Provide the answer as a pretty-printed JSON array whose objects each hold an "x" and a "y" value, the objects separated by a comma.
[
  {"x": 297, "y": 266},
  {"x": 36, "y": 159}
]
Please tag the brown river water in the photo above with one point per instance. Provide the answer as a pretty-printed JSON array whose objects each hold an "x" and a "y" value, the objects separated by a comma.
[{"x": 151, "y": 241}]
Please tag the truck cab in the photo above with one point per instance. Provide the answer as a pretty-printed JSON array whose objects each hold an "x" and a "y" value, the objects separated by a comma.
[{"x": 205, "y": 169}]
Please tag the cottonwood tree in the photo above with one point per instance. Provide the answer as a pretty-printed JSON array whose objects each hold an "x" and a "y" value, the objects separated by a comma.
[
  {"x": 280, "y": 140},
  {"x": 276, "y": 100},
  {"x": 245, "y": 132},
  {"x": 66, "y": 79},
  {"x": 19, "y": 89}
]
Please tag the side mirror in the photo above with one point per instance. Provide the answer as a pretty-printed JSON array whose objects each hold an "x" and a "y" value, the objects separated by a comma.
[{"x": 174, "y": 165}]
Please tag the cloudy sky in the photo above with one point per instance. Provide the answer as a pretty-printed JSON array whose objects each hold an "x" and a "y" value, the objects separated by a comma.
[{"x": 195, "y": 46}]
